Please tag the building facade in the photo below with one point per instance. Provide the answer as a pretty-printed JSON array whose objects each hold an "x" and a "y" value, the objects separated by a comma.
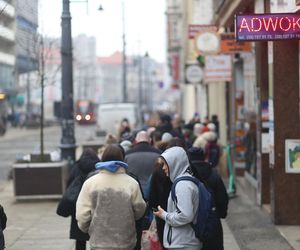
[
  {"x": 263, "y": 78},
  {"x": 7, "y": 47}
]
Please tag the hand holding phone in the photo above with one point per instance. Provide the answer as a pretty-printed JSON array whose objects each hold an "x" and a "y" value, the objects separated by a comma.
[{"x": 154, "y": 209}]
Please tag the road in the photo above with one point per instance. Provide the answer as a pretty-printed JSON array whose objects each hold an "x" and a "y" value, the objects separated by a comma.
[{"x": 17, "y": 142}]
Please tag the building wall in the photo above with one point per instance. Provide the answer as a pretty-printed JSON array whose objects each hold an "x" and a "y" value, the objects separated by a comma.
[
  {"x": 7, "y": 46},
  {"x": 217, "y": 105},
  {"x": 84, "y": 67},
  {"x": 26, "y": 35}
]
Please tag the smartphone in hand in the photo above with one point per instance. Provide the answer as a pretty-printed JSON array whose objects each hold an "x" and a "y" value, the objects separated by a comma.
[{"x": 154, "y": 209}]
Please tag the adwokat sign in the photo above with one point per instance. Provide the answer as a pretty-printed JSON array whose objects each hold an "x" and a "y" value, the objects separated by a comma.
[{"x": 267, "y": 27}]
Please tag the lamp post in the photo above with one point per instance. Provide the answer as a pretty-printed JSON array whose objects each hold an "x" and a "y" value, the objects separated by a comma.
[
  {"x": 124, "y": 76},
  {"x": 67, "y": 107}
]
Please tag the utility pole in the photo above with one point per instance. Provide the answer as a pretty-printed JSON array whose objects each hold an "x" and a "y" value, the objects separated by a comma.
[
  {"x": 67, "y": 106},
  {"x": 124, "y": 78}
]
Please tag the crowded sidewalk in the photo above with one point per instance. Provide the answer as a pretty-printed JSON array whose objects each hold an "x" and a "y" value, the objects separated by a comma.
[{"x": 34, "y": 224}]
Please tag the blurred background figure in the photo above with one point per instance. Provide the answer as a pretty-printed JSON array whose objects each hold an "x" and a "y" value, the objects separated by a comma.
[
  {"x": 124, "y": 128},
  {"x": 78, "y": 175}
]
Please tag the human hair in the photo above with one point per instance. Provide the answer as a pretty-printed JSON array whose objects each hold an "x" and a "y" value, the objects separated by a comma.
[
  {"x": 176, "y": 141},
  {"x": 113, "y": 152},
  {"x": 155, "y": 135}
]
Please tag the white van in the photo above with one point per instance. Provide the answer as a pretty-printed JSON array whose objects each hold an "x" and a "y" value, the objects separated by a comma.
[{"x": 110, "y": 115}]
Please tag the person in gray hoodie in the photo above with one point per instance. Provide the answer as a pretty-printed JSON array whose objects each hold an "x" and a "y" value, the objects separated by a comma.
[{"x": 178, "y": 232}]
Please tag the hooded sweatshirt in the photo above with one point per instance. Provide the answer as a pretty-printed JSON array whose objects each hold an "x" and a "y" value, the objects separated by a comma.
[
  {"x": 108, "y": 205},
  {"x": 178, "y": 232}
]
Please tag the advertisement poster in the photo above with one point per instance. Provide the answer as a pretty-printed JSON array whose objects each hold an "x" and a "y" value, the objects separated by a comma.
[{"x": 292, "y": 156}]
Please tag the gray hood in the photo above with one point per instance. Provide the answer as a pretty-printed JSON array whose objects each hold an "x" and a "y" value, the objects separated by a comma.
[{"x": 177, "y": 161}]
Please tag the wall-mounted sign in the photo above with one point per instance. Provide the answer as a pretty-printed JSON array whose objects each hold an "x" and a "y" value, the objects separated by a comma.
[
  {"x": 267, "y": 27},
  {"x": 218, "y": 68},
  {"x": 195, "y": 29},
  {"x": 229, "y": 45},
  {"x": 193, "y": 73},
  {"x": 208, "y": 43},
  {"x": 292, "y": 156}
]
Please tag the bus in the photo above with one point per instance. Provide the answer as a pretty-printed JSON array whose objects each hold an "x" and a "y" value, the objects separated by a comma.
[{"x": 85, "y": 112}]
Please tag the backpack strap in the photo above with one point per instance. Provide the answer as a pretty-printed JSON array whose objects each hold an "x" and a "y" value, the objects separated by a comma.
[{"x": 182, "y": 178}]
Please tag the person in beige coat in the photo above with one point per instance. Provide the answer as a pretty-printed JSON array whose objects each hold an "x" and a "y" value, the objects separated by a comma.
[{"x": 109, "y": 204}]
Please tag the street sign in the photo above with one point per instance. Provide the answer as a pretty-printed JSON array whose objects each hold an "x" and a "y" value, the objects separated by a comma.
[
  {"x": 230, "y": 46},
  {"x": 207, "y": 43},
  {"x": 193, "y": 73},
  {"x": 195, "y": 29},
  {"x": 266, "y": 27},
  {"x": 218, "y": 68}
]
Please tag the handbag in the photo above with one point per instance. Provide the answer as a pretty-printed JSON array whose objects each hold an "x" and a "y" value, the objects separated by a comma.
[
  {"x": 67, "y": 204},
  {"x": 150, "y": 240}
]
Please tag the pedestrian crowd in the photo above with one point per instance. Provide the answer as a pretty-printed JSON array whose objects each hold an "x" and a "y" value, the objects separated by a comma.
[{"x": 145, "y": 189}]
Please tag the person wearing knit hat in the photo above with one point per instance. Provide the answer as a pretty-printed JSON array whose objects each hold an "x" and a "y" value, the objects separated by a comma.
[
  {"x": 198, "y": 129},
  {"x": 126, "y": 145},
  {"x": 166, "y": 137},
  {"x": 211, "y": 127},
  {"x": 204, "y": 171}
]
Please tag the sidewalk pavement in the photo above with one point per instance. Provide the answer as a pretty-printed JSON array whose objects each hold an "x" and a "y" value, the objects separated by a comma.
[{"x": 34, "y": 225}]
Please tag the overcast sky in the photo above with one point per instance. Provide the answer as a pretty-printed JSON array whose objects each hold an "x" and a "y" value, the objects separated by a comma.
[{"x": 144, "y": 24}]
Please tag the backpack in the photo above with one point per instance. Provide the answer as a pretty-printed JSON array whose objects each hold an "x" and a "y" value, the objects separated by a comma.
[
  {"x": 213, "y": 153},
  {"x": 207, "y": 219},
  {"x": 67, "y": 204}
]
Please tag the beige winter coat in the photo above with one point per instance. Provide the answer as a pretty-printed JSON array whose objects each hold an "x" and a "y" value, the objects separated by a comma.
[{"x": 107, "y": 208}]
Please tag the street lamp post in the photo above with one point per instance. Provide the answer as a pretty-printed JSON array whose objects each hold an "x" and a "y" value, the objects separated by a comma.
[
  {"x": 68, "y": 145},
  {"x": 124, "y": 78}
]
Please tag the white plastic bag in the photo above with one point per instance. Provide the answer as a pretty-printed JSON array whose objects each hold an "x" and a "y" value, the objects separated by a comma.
[{"x": 150, "y": 240}]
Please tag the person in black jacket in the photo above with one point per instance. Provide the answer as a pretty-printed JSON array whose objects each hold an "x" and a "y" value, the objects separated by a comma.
[
  {"x": 80, "y": 170},
  {"x": 3, "y": 220},
  {"x": 209, "y": 176}
]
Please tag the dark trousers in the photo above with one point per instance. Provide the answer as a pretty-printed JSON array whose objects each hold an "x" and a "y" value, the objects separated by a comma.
[
  {"x": 80, "y": 245},
  {"x": 140, "y": 225}
]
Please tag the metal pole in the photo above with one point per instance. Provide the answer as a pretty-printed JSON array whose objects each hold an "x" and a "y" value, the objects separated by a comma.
[
  {"x": 67, "y": 107},
  {"x": 124, "y": 79},
  {"x": 140, "y": 86}
]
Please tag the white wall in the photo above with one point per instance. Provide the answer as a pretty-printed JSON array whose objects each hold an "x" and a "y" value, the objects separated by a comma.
[{"x": 217, "y": 105}]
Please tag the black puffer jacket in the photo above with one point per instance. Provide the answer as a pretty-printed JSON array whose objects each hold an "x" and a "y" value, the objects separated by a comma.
[
  {"x": 3, "y": 220},
  {"x": 82, "y": 168},
  {"x": 206, "y": 173}
]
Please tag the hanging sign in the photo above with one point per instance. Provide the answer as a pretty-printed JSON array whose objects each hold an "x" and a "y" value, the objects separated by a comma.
[
  {"x": 218, "y": 68},
  {"x": 207, "y": 43},
  {"x": 229, "y": 45},
  {"x": 195, "y": 29},
  {"x": 267, "y": 27},
  {"x": 193, "y": 73}
]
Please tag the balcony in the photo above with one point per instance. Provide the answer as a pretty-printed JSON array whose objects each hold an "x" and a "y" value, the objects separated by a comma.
[
  {"x": 9, "y": 10},
  {"x": 7, "y": 58},
  {"x": 6, "y": 33}
]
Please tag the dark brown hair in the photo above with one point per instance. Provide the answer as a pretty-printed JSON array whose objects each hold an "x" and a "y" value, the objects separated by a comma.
[
  {"x": 112, "y": 152},
  {"x": 175, "y": 141}
]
